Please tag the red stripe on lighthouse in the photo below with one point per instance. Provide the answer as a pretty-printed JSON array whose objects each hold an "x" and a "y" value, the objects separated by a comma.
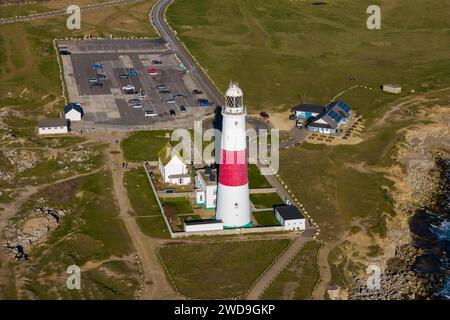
[{"x": 233, "y": 168}]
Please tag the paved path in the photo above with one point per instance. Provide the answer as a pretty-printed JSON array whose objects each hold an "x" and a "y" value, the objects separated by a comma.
[
  {"x": 266, "y": 279},
  {"x": 156, "y": 285}
]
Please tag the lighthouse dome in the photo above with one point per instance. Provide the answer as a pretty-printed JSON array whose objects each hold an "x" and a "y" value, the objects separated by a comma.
[{"x": 234, "y": 90}]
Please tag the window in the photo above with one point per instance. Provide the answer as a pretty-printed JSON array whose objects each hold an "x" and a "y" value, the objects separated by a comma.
[
  {"x": 236, "y": 205},
  {"x": 201, "y": 197},
  {"x": 236, "y": 123}
]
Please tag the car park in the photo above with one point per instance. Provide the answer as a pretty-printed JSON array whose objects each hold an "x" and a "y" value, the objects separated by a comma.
[
  {"x": 196, "y": 91},
  {"x": 183, "y": 108},
  {"x": 172, "y": 112},
  {"x": 150, "y": 113}
]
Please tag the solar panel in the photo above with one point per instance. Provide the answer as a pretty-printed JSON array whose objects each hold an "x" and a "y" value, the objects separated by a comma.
[
  {"x": 344, "y": 106},
  {"x": 335, "y": 116}
]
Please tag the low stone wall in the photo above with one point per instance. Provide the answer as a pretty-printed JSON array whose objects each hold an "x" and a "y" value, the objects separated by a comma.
[
  {"x": 263, "y": 190},
  {"x": 228, "y": 232}
]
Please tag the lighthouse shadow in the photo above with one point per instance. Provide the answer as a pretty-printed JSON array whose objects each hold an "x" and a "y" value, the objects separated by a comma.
[{"x": 217, "y": 122}]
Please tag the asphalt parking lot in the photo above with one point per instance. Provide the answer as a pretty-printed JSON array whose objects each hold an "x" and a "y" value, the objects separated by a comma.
[{"x": 109, "y": 104}]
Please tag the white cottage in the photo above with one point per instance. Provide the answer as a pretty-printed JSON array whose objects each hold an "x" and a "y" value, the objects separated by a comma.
[
  {"x": 174, "y": 169},
  {"x": 73, "y": 111},
  {"x": 206, "y": 187},
  {"x": 52, "y": 126}
]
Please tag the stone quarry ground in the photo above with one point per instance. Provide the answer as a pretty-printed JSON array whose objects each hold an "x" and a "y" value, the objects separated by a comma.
[{"x": 300, "y": 49}]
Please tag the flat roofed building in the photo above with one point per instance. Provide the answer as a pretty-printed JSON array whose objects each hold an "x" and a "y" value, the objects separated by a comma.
[
  {"x": 392, "y": 88},
  {"x": 290, "y": 217},
  {"x": 202, "y": 225},
  {"x": 206, "y": 187},
  {"x": 52, "y": 126}
]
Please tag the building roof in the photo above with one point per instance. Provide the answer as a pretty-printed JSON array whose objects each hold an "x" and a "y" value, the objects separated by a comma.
[
  {"x": 165, "y": 154},
  {"x": 73, "y": 106},
  {"x": 289, "y": 212},
  {"x": 45, "y": 123},
  {"x": 320, "y": 125},
  {"x": 207, "y": 221},
  {"x": 308, "y": 108},
  {"x": 179, "y": 176},
  {"x": 206, "y": 177},
  {"x": 392, "y": 85}
]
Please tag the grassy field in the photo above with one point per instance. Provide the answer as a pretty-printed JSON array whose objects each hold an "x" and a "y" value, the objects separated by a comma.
[
  {"x": 194, "y": 268},
  {"x": 144, "y": 145},
  {"x": 144, "y": 204},
  {"x": 265, "y": 200},
  {"x": 265, "y": 218},
  {"x": 90, "y": 232},
  {"x": 180, "y": 204},
  {"x": 297, "y": 280},
  {"x": 255, "y": 179}
]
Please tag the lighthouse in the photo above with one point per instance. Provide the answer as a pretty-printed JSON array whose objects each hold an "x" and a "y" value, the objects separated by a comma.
[{"x": 233, "y": 206}]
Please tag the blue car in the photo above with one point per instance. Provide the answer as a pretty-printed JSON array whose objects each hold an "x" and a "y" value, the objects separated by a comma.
[
  {"x": 97, "y": 67},
  {"x": 203, "y": 102},
  {"x": 132, "y": 73},
  {"x": 100, "y": 76}
]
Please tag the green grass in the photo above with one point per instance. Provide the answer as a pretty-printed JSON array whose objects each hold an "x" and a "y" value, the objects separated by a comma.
[
  {"x": 181, "y": 204},
  {"x": 90, "y": 231},
  {"x": 338, "y": 263},
  {"x": 265, "y": 200},
  {"x": 144, "y": 145},
  {"x": 297, "y": 280},
  {"x": 256, "y": 179},
  {"x": 153, "y": 227},
  {"x": 265, "y": 218},
  {"x": 140, "y": 193},
  {"x": 194, "y": 268}
]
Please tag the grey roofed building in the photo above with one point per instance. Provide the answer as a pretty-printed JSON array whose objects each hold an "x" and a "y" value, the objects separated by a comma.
[
  {"x": 322, "y": 125},
  {"x": 47, "y": 123},
  {"x": 308, "y": 108},
  {"x": 289, "y": 212}
]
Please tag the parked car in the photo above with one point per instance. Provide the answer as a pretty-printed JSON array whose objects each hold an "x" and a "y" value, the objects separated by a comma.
[
  {"x": 129, "y": 87},
  {"x": 165, "y": 91},
  {"x": 203, "y": 102},
  {"x": 100, "y": 76},
  {"x": 64, "y": 51},
  {"x": 299, "y": 123},
  {"x": 178, "y": 95},
  {"x": 132, "y": 73},
  {"x": 265, "y": 115},
  {"x": 182, "y": 108},
  {"x": 170, "y": 101},
  {"x": 292, "y": 116},
  {"x": 150, "y": 113},
  {"x": 156, "y": 62},
  {"x": 97, "y": 66},
  {"x": 137, "y": 106},
  {"x": 172, "y": 112},
  {"x": 133, "y": 101},
  {"x": 123, "y": 76},
  {"x": 161, "y": 87},
  {"x": 152, "y": 72},
  {"x": 196, "y": 91},
  {"x": 95, "y": 84},
  {"x": 142, "y": 96}
]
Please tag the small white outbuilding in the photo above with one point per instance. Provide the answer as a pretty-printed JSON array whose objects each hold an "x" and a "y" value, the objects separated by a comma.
[
  {"x": 203, "y": 225},
  {"x": 392, "y": 88},
  {"x": 290, "y": 217},
  {"x": 73, "y": 111},
  {"x": 53, "y": 126}
]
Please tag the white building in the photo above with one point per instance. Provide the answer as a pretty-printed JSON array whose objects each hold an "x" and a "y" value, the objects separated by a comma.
[
  {"x": 73, "y": 111},
  {"x": 203, "y": 225},
  {"x": 206, "y": 187},
  {"x": 392, "y": 88},
  {"x": 52, "y": 126},
  {"x": 290, "y": 218},
  {"x": 174, "y": 169}
]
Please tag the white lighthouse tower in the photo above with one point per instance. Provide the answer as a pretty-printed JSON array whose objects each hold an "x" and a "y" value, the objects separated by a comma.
[{"x": 233, "y": 206}]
